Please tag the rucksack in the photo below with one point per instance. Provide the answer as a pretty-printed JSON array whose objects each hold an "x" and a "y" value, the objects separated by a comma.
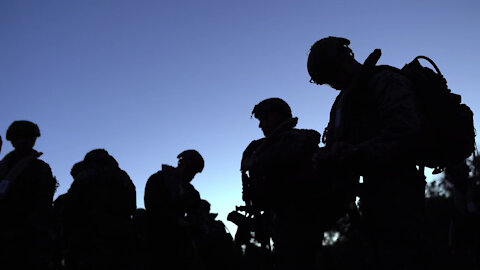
[{"x": 447, "y": 134}]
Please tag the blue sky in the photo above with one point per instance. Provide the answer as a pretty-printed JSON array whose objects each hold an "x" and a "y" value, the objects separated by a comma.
[{"x": 148, "y": 79}]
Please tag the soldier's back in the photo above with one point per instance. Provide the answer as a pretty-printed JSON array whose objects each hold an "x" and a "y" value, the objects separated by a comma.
[{"x": 98, "y": 214}]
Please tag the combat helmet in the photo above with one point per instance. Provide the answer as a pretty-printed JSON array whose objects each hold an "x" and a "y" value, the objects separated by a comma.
[
  {"x": 323, "y": 56},
  {"x": 99, "y": 156},
  {"x": 272, "y": 105},
  {"x": 192, "y": 159},
  {"x": 22, "y": 128}
]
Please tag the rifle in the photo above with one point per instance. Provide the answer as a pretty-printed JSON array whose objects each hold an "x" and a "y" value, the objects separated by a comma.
[{"x": 252, "y": 222}]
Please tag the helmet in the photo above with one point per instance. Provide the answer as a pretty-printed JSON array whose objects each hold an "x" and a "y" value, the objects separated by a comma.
[
  {"x": 99, "y": 157},
  {"x": 272, "y": 105},
  {"x": 323, "y": 55},
  {"x": 22, "y": 127},
  {"x": 192, "y": 159}
]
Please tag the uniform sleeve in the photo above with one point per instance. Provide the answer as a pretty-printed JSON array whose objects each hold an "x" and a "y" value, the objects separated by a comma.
[
  {"x": 129, "y": 193},
  {"x": 45, "y": 187},
  {"x": 398, "y": 124},
  {"x": 43, "y": 195},
  {"x": 248, "y": 152}
]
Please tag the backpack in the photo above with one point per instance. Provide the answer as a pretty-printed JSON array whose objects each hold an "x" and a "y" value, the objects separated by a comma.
[{"x": 447, "y": 133}]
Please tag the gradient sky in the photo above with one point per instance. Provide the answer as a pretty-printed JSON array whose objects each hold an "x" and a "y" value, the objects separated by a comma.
[{"x": 148, "y": 79}]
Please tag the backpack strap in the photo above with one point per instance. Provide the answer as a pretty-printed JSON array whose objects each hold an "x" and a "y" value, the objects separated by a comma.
[
  {"x": 372, "y": 59},
  {"x": 370, "y": 67},
  {"x": 430, "y": 61}
]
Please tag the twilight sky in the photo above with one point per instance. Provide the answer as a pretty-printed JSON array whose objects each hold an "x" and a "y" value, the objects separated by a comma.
[{"x": 148, "y": 79}]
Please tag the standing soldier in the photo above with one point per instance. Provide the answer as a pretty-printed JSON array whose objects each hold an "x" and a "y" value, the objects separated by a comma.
[
  {"x": 280, "y": 182},
  {"x": 27, "y": 187},
  {"x": 372, "y": 131},
  {"x": 169, "y": 199},
  {"x": 97, "y": 213}
]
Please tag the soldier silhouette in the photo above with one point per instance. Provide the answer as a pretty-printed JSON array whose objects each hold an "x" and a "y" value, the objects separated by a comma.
[
  {"x": 27, "y": 187},
  {"x": 280, "y": 182},
  {"x": 371, "y": 133},
  {"x": 98, "y": 210},
  {"x": 169, "y": 199}
]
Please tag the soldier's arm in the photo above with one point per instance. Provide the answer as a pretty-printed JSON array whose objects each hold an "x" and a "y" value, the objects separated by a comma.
[
  {"x": 191, "y": 199},
  {"x": 43, "y": 196},
  {"x": 248, "y": 154},
  {"x": 129, "y": 193}
]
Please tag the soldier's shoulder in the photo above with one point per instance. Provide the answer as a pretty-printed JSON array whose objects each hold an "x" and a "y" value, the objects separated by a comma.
[
  {"x": 253, "y": 145},
  {"x": 385, "y": 71},
  {"x": 7, "y": 158},
  {"x": 310, "y": 135},
  {"x": 44, "y": 174},
  {"x": 167, "y": 168},
  {"x": 155, "y": 176},
  {"x": 41, "y": 163},
  {"x": 191, "y": 189},
  {"x": 126, "y": 180},
  {"x": 42, "y": 167},
  {"x": 159, "y": 175},
  {"x": 386, "y": 76}
]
